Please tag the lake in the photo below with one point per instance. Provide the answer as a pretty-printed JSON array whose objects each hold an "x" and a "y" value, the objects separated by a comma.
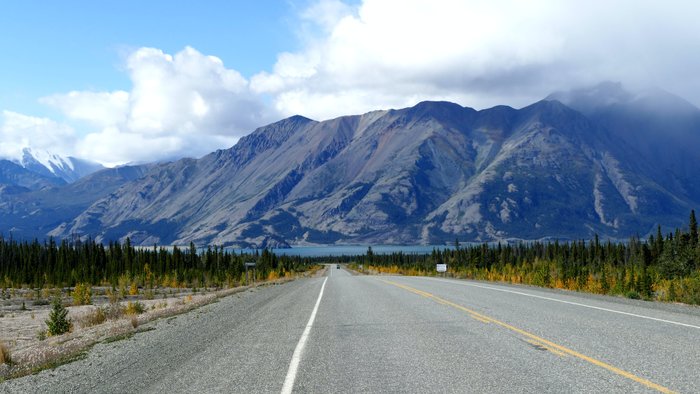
[{"x": 351, "y": 250}]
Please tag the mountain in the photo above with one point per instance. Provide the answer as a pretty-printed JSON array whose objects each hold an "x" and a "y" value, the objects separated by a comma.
[
  {"x": 662, "y": 127},
  {"x": 16, "y": 179},
  {"x": 33, "y": 212},
  {"x": 426, "y": 174},
  {"x": 590, "y": 161},
  {"x": 42, "y": 162}
]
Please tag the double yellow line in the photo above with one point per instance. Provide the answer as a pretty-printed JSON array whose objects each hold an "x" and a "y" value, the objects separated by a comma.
[{"x": 551, "y": 346}]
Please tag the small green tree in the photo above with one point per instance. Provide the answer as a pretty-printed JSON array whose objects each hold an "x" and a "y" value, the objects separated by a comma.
[{"x": 58, "y": 322}]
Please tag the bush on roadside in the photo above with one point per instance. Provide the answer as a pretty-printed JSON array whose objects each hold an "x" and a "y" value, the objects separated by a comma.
[
  {"x": 82, "y": 294},
  {"x": 134, "y": 308},
  {"x": 93, "y": 318},
  {"x": 133, "y": 289},
  {"x": 113, "y": 311},
  {"x": 5, "y": 357},
  {"x": 58, "y": 322}
]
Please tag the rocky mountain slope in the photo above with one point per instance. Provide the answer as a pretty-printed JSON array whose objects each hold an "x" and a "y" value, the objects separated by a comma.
[
  {"x": 16, "y": 179},
  {"x": 426, "y": 174},
  {"x": 34, "y": 212},
  {"x": 604, "y": 163}
]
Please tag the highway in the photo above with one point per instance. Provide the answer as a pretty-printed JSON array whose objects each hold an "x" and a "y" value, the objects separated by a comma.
[{"x": 345, "y": 333}]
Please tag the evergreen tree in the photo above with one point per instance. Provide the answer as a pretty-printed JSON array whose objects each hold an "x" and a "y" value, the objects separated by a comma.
[
  {"x": 659, "y": 245},
  {"x": 58, "y": 322},
  {"x": 693, "y": 226}
]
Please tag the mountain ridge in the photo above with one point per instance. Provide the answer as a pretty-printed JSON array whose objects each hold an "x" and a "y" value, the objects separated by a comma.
[{"x": 425, "y": 174}]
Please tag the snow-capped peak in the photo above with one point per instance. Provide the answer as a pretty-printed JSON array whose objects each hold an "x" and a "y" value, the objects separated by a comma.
[
  {"x": 51, "y": 161},
  {"x": 47, "y": 163}
]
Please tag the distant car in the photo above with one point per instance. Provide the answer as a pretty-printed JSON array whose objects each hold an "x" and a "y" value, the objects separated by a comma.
[{"x": 337, "y": 266}]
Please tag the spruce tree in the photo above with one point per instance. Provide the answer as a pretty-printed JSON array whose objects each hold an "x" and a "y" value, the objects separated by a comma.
[
  {"x": 58, "y": 322},
  {"x": 693, "y": 229}
]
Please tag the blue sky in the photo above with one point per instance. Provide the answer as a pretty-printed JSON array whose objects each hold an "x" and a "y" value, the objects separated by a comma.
[
  {"x": 139, "y": 81},
  {"x": 59, "y": 46}
]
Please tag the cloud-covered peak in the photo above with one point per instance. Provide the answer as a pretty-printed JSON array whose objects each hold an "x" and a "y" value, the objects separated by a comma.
[
  {"x": 18, "y": 131},
  {"x": 384, "y": 54}
]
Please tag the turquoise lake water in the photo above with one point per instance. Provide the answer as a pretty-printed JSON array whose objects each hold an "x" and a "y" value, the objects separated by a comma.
[{"x": 352, "y": 250}]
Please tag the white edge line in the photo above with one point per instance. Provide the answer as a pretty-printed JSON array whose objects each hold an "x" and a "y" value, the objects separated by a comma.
[
  {"x": 566, "y": 302},
  {"x": 296, "y": 357}
]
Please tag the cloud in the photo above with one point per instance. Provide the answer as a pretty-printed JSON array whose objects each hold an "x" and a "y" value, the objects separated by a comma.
[
  {"x": 377, "y": 54},
  {"x": 187, "y": 104},
  {"x": 18, "y": 131},
  {"x": 479, "y": 53},
  {"x": 98, "y": 108}
]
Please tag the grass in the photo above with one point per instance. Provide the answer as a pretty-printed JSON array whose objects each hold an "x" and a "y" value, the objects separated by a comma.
[
  {"x": 119, "y": 337},
  {"x": 5, "y": 357},
  {"x": 60, "y": 354},
  {"x": 93, "y": 318},
  {"x": 58, "y": 362}
]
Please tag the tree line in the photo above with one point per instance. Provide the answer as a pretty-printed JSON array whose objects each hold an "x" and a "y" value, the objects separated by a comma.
[
  {"x": 663, "y": 267},
  {"x": 68, "y": 263}
]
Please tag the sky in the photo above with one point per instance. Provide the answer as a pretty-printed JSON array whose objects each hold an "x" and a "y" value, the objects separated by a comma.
[{"x": 134, "y": 81}]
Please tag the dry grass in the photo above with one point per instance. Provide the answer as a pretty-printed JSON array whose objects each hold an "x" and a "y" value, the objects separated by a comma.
[
  {"x": 97, "y": 316},
  {"x": 5, "y": 354},
  {"x": 49, "y": 351}
]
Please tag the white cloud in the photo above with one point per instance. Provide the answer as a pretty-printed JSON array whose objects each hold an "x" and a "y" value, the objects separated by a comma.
[
  {"x": 98, "y": 108},
  {"x": 18, "y": 131},
  {"x": 479, "y": 53},
  {"x": 187, "y": 104},
  {"x": 375, "y": 55}
]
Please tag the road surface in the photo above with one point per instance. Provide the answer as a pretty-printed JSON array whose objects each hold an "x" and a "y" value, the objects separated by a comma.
[{"x": 344, "y": 333}]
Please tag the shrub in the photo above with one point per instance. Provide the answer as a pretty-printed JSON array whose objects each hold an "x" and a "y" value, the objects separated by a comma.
[
  {"x": 41, "y": 302},
  {"x": 134, "y": 321},
  {"x": 41, "y": 335},
  {"x": 134, "y": 308},
  {"x": 58, "y": 322},
  {"x": 133, "y": 289},
  {"x": 93, "y": 318},
  {"x": 82, "y": 294},
  {"x": 5, "y": 354},
  {"x": 633, "y": 295},
  {"x": 113, "y": 311},
  {"x": 112, "y": 295}
]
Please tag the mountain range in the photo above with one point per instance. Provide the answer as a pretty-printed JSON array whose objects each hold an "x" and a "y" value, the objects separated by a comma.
[
  {"x": 591, "y": 161},
  {"x": 36, "y": 169}
]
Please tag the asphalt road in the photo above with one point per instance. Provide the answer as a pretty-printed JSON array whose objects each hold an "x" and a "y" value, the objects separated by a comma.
[{"x": 397, "y": 334}]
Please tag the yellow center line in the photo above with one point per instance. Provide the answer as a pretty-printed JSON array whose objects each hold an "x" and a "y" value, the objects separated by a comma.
[{"x": 548, "y": 344}]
